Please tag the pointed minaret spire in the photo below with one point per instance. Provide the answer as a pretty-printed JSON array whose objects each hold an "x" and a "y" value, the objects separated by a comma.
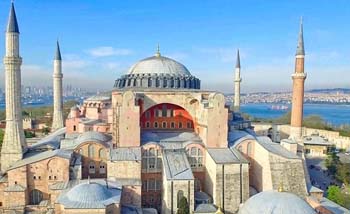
[
  {"x": 58, "y": 52},
  {"x": 14, "y": 144},
  {"x": 12, "y": 25},
  {"x": 237, "y": 80},
  {"x": 238, "y": 61},
  {"x": 298, "y": 77},
  {"x": 300, "y": 47},
  {"x": 58, "y": 121}
]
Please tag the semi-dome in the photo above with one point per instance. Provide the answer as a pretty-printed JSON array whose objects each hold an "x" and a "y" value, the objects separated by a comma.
[
  {"x": 158, "y": 72},
  {"x": 272, "y": 202},
  {"x": 93, "y": 136}
]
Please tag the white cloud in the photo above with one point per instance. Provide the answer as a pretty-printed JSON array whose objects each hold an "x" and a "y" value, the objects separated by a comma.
[
  {"x": 105, "y": 51},
  {"x": 111, "y": 65}
]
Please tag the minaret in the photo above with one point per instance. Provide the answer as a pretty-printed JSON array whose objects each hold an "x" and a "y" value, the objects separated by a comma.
[
  {"x": 57, "y": 122},
  {"x": 238, "y": 80},
  {"x": 14, "y": 144},
  {"x": 298, "y": 89}
]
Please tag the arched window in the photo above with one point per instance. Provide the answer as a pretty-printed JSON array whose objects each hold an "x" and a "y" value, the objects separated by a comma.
[
  {"x": 180, "y": 195},
  {"x": 195, "y": 156},
  {"x": 180, "y": 125},
  {"x": 91, "y": 151},
  {"x": 249, "y": 149},
  {"x": 92, "y": 168},
  {"x": 36, "y": 196},
  {"x": 74, "y": 128},
  {"x": 164, "y": 125},
  {"x": 102, "y": 154},
  {"x": 102, "y": 168},
  {"x": 151, "y": 160},
  {"x": 172, "y": 124},
  {"x": 147, "y": 124},
  {"x": 155, "y": 125}
]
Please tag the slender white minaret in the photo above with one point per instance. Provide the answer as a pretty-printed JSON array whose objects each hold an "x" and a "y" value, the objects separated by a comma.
[
  {"x": 238, "y": 80},
  {"x": 14, "y": 144},
  {"x": 57, "y": 122}
]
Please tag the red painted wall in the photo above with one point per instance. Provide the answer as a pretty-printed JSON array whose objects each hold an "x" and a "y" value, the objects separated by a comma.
[{"x": 168, "y": 113}]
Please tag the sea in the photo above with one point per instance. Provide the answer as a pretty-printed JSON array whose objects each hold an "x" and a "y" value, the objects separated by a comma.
[
  {"x": 336, "y": 115},
  {"x": 333, "y": 114}
]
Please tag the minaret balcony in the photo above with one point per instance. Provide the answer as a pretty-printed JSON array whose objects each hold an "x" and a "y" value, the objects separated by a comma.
[{"x": 299, "y": 76}]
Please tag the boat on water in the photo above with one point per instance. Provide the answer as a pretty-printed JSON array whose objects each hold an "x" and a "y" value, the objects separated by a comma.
[{"x": 279, "y": 107}]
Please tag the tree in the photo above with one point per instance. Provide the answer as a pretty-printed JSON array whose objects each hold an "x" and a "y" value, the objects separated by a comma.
[
  {"x": 334, "y": 194},
  {"x": 46, "y": 130},
  {"x": 183, "y": 206},
  {"x": 343, "y": 173},
  {"x": 2, "y": 132}
]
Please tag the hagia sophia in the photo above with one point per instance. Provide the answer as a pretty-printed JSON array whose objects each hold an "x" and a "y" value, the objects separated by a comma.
[{"x": 154, "y": 139}]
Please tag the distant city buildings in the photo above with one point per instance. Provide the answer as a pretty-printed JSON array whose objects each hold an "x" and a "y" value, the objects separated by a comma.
[
  {"x": 154, "y": 144},
  {"x": 285, "y": 97}
]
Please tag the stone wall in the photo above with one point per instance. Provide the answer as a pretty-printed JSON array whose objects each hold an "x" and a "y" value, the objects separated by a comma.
[
  {"x": 124, "y": 169},
  {"x": 171, "y": 190}
]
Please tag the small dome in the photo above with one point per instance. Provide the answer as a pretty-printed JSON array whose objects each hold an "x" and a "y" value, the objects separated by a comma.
[
  {"x": 93, "y": 136},
  {"x": 90, "y": 196},
  {"x": 89, "y": 192},
  {"x": 159, "y": 65},
  {"x": 272, "y": 202}
]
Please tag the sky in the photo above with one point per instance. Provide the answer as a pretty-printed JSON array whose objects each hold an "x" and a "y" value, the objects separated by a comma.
[{"x": 101, "y": 39}]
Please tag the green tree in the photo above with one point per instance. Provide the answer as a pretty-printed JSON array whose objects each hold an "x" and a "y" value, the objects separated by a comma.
[
  {"x": 46, "y": 130},
  {"x": 183, "y": 206},
  {"x": 29, "y": 134},
  {"x": 2, "y": 132},
  {"x": 343, "y": 173},
  {"x": 334, "y": 194},
  {"x": 332, "y": 161}
]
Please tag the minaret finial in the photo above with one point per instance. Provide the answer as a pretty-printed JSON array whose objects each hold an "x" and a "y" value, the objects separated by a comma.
[
  {"x": 238, "y": 61},
  {"x": 158, "y": 51},
  {"x": 58, "y": 51},
  {"x": 300, "y": 47},
  {"x": 12, "y": 25}
]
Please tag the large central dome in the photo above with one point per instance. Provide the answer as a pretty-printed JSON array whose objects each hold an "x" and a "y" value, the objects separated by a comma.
[
  {"x": 158, "y": 72},
  {"x": 159, "y": 65}
]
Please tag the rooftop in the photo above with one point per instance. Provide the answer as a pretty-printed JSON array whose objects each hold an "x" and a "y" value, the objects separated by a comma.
[
  {"x": 90, "y": 195},
  {"x": 159, "y": 65},
  {"x": 176, "y": 165}
]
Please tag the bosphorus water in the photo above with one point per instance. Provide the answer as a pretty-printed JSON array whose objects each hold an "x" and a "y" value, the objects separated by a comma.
[{"x": 333, "y": 114}]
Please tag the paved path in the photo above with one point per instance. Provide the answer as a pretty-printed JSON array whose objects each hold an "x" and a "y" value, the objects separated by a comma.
[{"x": 318, "y": 175}]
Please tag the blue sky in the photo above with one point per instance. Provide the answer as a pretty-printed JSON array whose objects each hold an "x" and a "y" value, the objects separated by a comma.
[{"x": 101, "y": 39}]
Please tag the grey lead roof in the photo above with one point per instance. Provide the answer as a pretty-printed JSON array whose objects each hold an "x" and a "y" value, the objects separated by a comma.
[
  {"x": 12, "y": 26},
  {"x": 90, "y": 195},
  {"x": 238, "y": 61},
  {"x": 58, "y": 52},
  {"x": 15, "y": 188},
  {"x": 176, "y": 165},
  {"x": 300, "y": 47},
  {"x": 225, "y": 156},
  {"x": 35, "y": 157},
  {"x": 126, "y": 154},
  {"x": 275, "y": 148}
]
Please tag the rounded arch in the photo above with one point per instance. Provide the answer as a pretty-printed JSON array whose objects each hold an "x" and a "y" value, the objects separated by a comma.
[
  {"x": 167, "y": 116},
  {"x": 36, "y": 196}
]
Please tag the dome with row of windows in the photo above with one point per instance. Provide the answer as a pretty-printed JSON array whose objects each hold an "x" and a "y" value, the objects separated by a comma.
[{"x": 158, "y": 72}]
